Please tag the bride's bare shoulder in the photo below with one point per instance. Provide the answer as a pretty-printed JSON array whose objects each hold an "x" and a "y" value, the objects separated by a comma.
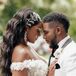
[{"x": 20, "y": 53}]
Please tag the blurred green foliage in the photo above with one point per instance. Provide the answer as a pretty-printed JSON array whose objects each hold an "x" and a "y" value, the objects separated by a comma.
[{"x": 66, "y": 6}]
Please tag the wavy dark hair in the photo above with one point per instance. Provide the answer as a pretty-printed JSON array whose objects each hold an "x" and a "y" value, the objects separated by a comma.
[{"x": 15, "y": 31}]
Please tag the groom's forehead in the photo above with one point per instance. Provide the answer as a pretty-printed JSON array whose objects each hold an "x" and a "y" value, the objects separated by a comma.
[
  {"x": 47, "y": 25},
  {"x": 51, "y": 24}
]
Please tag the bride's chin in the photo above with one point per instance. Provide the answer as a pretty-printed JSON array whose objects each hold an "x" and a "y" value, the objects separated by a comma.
[{"x": 33, "y": 41}]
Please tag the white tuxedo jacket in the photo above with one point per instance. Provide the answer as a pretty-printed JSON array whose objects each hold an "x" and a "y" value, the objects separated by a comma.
[{"x": 67, "y": 60}]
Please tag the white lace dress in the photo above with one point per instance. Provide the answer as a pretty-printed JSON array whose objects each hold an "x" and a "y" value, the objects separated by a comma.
[{"x": 35, "y": 67}]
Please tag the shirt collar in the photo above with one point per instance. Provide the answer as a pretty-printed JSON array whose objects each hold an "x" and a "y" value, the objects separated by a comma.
[
  {"x": 63, "y": 41},
  {"x": 59, "y": 50}
]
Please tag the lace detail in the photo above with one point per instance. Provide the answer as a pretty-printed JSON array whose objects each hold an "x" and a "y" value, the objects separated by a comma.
[
  {"x": 37, "y": 67},
  {"x": 17, "y": 66}
]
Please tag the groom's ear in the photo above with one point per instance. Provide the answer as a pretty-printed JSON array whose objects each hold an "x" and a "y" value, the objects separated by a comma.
[{"x": 58, "y": 30}]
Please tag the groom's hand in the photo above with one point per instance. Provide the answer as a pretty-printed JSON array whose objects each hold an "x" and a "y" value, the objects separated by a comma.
[{"x": 51, "y": 69}]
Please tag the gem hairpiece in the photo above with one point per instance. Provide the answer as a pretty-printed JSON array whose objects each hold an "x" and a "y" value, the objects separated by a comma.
[{"x": 34, "y": 17}]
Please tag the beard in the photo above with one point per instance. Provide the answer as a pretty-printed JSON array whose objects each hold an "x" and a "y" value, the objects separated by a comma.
[{"x": 54, "y": 45}]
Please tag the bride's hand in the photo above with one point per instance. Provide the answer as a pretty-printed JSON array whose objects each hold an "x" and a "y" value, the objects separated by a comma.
[{"x": 51, "y": 70}]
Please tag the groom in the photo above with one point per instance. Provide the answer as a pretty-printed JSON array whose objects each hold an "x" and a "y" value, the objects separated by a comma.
[{"x": 55, "y": 27}]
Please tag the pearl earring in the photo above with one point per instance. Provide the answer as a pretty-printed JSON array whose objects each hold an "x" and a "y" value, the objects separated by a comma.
[{"x": 25, "y": 36}]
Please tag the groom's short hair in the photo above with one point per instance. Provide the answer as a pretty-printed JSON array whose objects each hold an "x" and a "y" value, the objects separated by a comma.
[{"x": 57, "y": 17}]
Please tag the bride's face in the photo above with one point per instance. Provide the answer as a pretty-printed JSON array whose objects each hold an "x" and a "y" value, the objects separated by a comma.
[{"x": 33, "y": 33}]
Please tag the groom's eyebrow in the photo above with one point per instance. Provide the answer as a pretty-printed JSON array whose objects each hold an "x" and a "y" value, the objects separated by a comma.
[{"x": 45, "y": 31}]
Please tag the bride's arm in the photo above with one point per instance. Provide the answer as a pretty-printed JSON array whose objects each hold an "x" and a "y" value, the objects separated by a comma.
[{"x": 19, "y": 55}]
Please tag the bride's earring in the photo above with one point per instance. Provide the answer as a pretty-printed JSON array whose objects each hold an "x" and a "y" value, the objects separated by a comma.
[{"x": 25, "y": 36}]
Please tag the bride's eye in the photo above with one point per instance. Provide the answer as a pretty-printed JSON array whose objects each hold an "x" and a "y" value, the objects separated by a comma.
[{"x": 39, "y": 31}]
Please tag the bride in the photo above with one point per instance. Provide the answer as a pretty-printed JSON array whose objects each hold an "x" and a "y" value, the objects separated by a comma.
[{"x": 20, "y": 59}]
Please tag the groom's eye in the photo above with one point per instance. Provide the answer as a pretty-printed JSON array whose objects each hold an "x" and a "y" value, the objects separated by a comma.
[{"x": 45, "y": 32}]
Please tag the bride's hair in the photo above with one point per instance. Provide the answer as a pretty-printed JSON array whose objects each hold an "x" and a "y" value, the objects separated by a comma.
[{"x": 15, "y": 32}]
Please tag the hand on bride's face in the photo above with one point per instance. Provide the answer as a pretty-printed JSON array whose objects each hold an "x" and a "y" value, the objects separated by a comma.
[{"x": 51, "y": 70}]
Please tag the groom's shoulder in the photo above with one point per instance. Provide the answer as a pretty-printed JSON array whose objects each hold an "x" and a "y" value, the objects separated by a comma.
[
  {"x": 71, "y": 47},
  {"x": 73, "y": 44}
]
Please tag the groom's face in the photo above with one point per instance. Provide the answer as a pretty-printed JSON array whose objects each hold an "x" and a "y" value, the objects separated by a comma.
[{"x": 49, "y": 33}]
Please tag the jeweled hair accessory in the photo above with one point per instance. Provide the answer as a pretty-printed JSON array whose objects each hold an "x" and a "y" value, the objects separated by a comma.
[
  {"x": 37, "y": 16},
  {"x": 34, "y": 18}
]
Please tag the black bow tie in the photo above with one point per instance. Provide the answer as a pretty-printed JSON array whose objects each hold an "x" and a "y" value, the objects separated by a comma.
[{"x": 54, "y": 49}]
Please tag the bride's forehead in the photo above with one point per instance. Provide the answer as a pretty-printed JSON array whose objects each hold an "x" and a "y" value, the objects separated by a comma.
[{"x": 38, "y": 26}]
